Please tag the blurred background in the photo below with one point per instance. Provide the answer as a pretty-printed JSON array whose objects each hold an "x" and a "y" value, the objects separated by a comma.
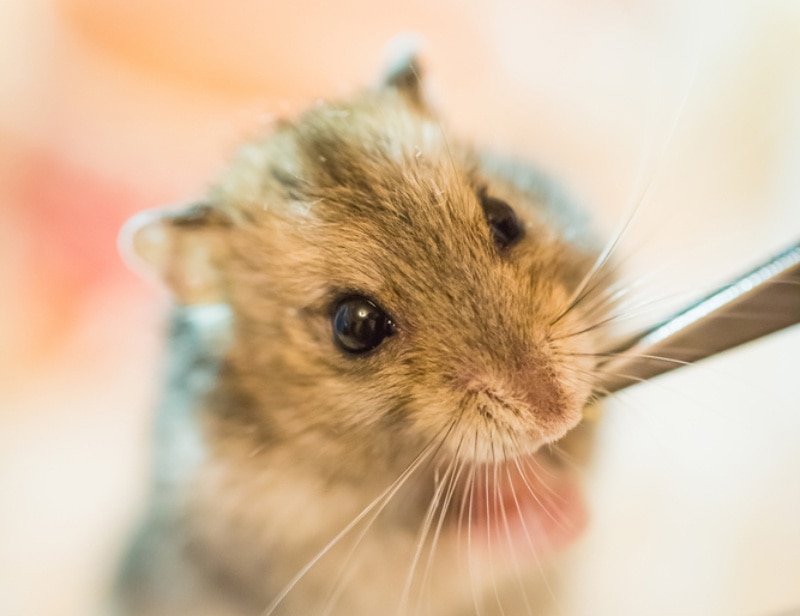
[{"x": 689, "y": 108}]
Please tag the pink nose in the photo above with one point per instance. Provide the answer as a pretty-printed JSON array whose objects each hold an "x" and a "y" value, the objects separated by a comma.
[
  {"x": 531, "y": 397},
  {"x": 552, "y": 406}
]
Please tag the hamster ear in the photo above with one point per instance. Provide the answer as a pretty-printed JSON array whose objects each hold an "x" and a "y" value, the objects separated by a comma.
[
  {"x": 403, "y": 71},
  {"x": 183, "y": 247}
]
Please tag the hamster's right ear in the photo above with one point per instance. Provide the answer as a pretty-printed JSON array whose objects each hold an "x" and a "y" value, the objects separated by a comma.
[
  {"x": 184, "y": 247},
  {"x": 403, "y": 70}
]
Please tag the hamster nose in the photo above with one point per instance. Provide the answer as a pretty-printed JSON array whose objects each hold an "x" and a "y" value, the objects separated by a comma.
[
  {"x": 552, "y": 405},
  {"x": 530, "y": 397}
]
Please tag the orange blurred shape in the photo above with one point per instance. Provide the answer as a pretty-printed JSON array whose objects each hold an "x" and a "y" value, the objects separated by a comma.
[{"x": 241, "y": 48}]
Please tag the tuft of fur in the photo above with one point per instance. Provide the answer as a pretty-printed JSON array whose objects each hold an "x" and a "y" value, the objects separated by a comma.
[{"x": 272, "y": 440}]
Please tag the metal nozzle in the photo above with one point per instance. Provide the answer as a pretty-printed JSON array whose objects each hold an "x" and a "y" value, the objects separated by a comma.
[{"x": 762, "y": 301}]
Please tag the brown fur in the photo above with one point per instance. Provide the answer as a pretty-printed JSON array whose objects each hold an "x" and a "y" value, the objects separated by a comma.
[{"x": 287, "y": 437}]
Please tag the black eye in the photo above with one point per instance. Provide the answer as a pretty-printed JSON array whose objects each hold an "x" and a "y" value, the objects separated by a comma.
[
  {"x": 359, "y": 325},
  {"x": 503, "y": 222}
]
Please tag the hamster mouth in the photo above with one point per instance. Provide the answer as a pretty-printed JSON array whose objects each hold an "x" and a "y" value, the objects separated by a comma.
[
  {"x": 520, "y": 509},
  {"x": 519, "y": 505}
]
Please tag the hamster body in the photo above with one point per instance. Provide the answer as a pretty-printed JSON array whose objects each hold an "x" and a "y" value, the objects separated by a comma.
[{"x": 377, "y": 365}]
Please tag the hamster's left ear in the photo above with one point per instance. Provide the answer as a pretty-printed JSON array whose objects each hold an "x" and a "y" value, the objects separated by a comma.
[
  {"x": 403, "y": 70},
  {"x": 184, "y": 247}
]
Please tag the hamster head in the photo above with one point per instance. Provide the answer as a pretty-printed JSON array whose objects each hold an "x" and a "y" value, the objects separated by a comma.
[{"x": 389, "y": 286}]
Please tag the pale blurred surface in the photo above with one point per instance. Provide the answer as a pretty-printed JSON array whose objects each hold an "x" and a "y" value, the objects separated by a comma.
[{"x": 692, "y": 108}]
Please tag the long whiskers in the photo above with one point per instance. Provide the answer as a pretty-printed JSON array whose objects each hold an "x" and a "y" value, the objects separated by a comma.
[
  {"x": 586, "y": 286},
  {"x": 526, "y": 532},
  {"x": 442, "y": 514},
  {"x": 339, "y": 586},
  {"x": 489, "y": 531},
  {"x": 384, "y": 497},
  {"x": 645, "y": 182},
  {"x": 507, "y": 528},
  {"x": 642, "y": 307},
  {"x": 426, "y": 525},
  {"x": 532, "y": 492},
  {"x": 470, "y": 509}
]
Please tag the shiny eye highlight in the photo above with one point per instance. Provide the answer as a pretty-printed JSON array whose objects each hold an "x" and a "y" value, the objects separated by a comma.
[
  {"x": 360, "y": 325},
  {"x": 506, "y": 228}
]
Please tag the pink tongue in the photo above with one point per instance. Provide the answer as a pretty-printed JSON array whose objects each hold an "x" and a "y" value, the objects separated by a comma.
[{"x": 530, "y": 513}]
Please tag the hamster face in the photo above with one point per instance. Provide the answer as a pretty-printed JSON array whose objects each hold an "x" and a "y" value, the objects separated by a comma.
[
  {"x": 395, "y": 296},
  {"x": 384, "y": 210}
]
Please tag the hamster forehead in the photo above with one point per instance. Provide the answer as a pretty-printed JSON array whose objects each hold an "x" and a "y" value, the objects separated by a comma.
[
  {"x": 376, "y": 197},
  {"x": 402, "y": 223},
  {"x": 386, "y": 173}
]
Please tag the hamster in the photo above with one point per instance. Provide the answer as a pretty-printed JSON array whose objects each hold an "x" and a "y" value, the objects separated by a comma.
[{"x": 380, "y": 358}]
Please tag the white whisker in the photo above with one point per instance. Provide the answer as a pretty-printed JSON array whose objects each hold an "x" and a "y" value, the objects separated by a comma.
[
  {"x": 507, "y": 527},
  {"x": 426, "y": 525},
  {"x": 386, "y": 495},
  {"x": 470, "y": 509},
  {"x": 437, "y": 533},
  {"x": 489, "y": 534},
  {"x": 532, "y": 492}
]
